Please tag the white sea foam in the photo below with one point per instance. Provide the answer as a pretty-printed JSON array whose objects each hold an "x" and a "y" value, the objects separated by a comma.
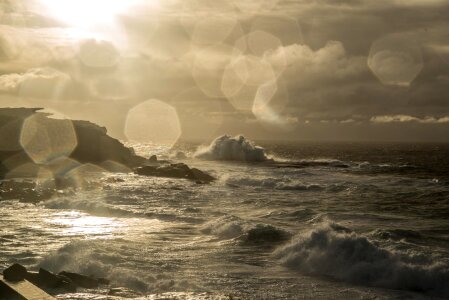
[
  {"x": 334, "y": 251},
  {"x": 99, "y": 259},
  {"x": 227, "y": 148}
]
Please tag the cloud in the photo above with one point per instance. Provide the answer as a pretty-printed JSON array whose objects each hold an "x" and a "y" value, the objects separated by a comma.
[
  {"x": 407, "y": 119},
  {"x": 330, "y": 64},
  {"x": 310, "y": 55},
  {"x": 39, "y": 83}
]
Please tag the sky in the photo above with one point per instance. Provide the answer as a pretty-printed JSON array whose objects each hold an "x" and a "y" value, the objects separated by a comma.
[{"x": 160, "y": 71}]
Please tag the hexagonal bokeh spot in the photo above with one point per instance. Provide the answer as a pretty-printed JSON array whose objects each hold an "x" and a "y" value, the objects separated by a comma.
[
  {"x": 213, "y": 30},
  {"x": 46, "y": 139},
  {"x": 259, "y": 42},
  {"x": 153, "y": 121},
  {"x": 10, "y": 135},
  {"x": 98, "y": 54},
  {"x": 208, "y": 68},
  {"x": 285, "y": 28},
  {"x": 82, "y": 176},
  {"x": 395, "y": 60},
  {"x": 242, "y": 79}
]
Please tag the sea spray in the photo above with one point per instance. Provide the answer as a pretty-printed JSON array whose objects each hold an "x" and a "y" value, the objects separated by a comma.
[
  {"x": 227, "y": 148},
  {"x": 332, "y": 250}
]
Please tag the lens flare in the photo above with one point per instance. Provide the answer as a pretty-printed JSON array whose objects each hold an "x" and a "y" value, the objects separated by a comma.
[
  {"x": 46, "y": 139},
  {"x": 153, "y": 121},
  {"x": 395, "y": 60}
]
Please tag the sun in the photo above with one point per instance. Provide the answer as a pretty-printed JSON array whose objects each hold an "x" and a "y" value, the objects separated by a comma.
[{"x": 91, "y": 13}]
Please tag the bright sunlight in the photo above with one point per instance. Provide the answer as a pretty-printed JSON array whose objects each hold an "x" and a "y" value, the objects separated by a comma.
[{"x": 90, "y": 13}]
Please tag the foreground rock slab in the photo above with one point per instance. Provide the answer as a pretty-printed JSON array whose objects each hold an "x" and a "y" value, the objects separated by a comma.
[
  {"x": 48, "y": 281},
  {"x": 23, "y": 290}
]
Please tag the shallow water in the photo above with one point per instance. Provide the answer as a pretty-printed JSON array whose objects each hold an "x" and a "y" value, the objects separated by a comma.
[{"x": 352, "y": 222}]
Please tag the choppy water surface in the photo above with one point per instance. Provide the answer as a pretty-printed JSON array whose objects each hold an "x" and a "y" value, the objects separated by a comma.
[{"x": 348, "y": 221}]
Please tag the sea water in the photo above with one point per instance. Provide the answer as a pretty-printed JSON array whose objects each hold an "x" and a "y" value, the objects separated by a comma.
[{"x": 317, "y": 221}]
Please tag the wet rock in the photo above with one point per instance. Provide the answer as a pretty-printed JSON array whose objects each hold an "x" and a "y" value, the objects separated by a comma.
[
  {"x": 24, "y": 191},
  {"x": 15, "y": 272},
  {"x": 50, "y": 280},
  {"x": 179, "y": 170},
  {"x": 201, "y": 176},
  {"x": 96, "y": 146},
  {"x": 266, "y": 234},
  {"x": 81, "y": 280}
]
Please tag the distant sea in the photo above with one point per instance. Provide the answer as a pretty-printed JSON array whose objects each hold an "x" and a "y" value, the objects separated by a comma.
[{"x": 319, "y": 221}]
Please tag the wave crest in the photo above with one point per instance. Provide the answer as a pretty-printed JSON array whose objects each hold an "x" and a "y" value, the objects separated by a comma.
[
  {"x": 230, "y": 227},
  {"x": 227, "y": 148},
  {"x": 334, "y": 251}
]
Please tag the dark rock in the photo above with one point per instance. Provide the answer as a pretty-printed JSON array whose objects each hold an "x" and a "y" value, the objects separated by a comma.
[
  {"x": 153, "y": 158},
  {"x": 33, "y": 277},
  {"x": 179, "y": 170},
  {"x": 81, "y": 280},
  {"x": 262, "y": 233},
  {"x": 48, "y": 279},
  {"x": 94, "y": 145},
  {"x": 201, "y": 176},
  {"x": 15, "y": 273}
]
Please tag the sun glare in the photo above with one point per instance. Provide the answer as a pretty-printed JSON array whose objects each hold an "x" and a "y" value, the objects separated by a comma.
[{"x": 88, "y": 13}]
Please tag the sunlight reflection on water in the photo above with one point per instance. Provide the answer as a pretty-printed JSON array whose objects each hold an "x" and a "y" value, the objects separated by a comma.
[{"x": 77, "y": 223}]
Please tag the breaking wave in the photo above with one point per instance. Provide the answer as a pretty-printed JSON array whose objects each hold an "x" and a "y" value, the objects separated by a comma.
[
  {"x": 227, "y": 148},
  {"x": 100, "y": 259},
  {"x": 332, "y": 250},
  {"x": 230, "y": 227}
]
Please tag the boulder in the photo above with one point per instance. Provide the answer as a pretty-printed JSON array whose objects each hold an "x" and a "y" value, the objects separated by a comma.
[
  {"x": 81, "y": 280},
  {"x": 179, "y": 170},
  {"x": 153, "y": 158},
  {"x": 201, "y": 176},
  {"x": 15, "y": 272},
  {"x": 47, "y": 279}
]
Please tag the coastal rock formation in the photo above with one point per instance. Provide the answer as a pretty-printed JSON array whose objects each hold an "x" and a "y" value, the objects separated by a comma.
[
  {"x": 46, "y": 280},
  {"x": 179, "y": 170},
  {"x": 41, "y": 156},
  {"x": 33, "y": 137}
]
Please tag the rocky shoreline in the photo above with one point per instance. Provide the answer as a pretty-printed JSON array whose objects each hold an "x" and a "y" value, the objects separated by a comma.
[{"x": 63, "y": 163}]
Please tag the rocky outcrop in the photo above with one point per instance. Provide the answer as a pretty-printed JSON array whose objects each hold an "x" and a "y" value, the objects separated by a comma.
[
  {"x": 179, "y": 170},
  {"x": 92, "y": 143},
  {"x": 95, "y": 146},
  {"x": 46, "y": 280},
  {"x": 62, "y": 159}
]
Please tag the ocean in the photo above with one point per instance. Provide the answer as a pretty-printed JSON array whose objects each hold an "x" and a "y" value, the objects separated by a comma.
[{"x": 315, "y": 221}]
